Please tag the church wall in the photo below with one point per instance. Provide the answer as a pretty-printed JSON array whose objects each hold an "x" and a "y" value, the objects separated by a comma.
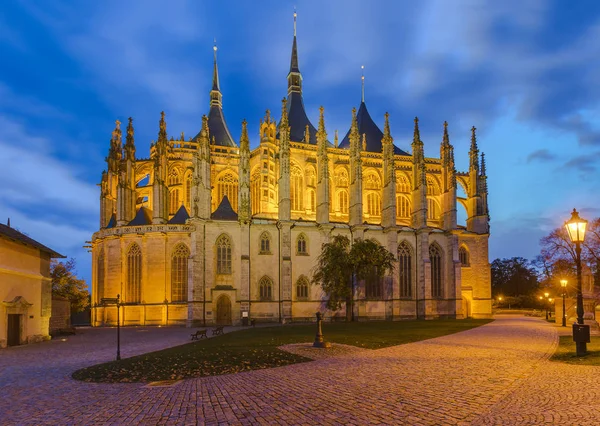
[
  {"x": 262, "y": 265},
  {"x": 476, "y": 279}
]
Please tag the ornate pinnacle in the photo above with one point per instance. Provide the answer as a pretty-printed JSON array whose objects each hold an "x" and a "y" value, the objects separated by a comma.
[
  {"x": 387, "y": 135},
  {"x": 307, "y": 134},
  {"x": 284, "y": 124},
  {"x": 162, "y": 132},
  {"x": 244, "y": 140},
  {"x": 130, "y": 143},
  {"x": 321, "y": 133},
  {"x": 267, "y": 116},
  {"x": 416, "y": 135},
  {"x": 473, "y": 139},
  {"x": 474, "y": 152},
  {"x": 446, "y": 139},
  {"x": 483, "y": 164},
  {"x": 335, "y": 139}
]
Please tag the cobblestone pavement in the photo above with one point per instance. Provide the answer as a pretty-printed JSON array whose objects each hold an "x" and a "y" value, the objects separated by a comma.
[{"x": 495, "y": 374}]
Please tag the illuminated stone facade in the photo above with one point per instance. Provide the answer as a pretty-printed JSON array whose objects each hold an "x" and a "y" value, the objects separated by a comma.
[{"x": 207, "y": 231}]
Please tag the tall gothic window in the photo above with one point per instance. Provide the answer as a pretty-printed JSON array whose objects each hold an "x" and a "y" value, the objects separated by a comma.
[
  {"x": 174, "y": 178},
  {"x": 179, "y": 273},
  {"x": 134, "y": 274},
  {"x": 435, "y": 257},
  {"x": 301, "y": 244},
  {"x": 403, "y": 209},
  {"x": 188, "y": 192},
  {"x": 402, "y": 184},
  {"x": 312, "y": 200},
  {"x": 302, "y": 288},
  {"x": 174, "y": 201},
  {"x": 405, "y": 269},
  {"x": 373, "y": 285},
  {"x": 342, "y": 178},
  {"x": 433, "y": 209},
  {"x": 100, "y": 272},
  {"x": 255, "y": 192},
  {"x": 227, "y": 184},
  {"x": 463, "y": 255},
  {"x": 265, "y": 243},
  {"x": 373, "y": 204},
  {"x": 265, "y": 288},
  {"x": 343, "y": 201},
  {"x": 296, "y": 189},
  {"x": 223, "y": 255}
]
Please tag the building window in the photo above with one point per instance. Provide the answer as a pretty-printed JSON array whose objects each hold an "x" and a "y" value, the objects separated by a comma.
[
  {"x": 223, "y": 255},
  {"x": 255, "y": 192},
  {"x": 343, "y": 201},
  {"x": 100, "y": 272},
  {"x": 134, "y": 274},
  {"x": 342, "y": 178},
  {"x": 463, "y": 255},
  {"x": 402, "y": 184},
  {"x": 188, "y": 192},
  {"x": 373, "y": 204},
  {"x": 433, "y": 209},
  {"x": 373, "y": 285},
  {"x": 296, "y": 189},
  {"x": 174, "y": 201},
  {"x": 179, "y": 273},
  {"x": 301, "y": 245},
  {"x": 227, "y": 184},
  {"x": 435, "y": 257},
  {"x": 302, "y": 288},
  {"x": 311, "y": 197},
  {"x": 265, "y": 243},
  {"x": 402, "y": 206},
  {"x": 265, "y": 287},
  {"x": 174, "y": 178},
  {"x": 405, "y": 269}
]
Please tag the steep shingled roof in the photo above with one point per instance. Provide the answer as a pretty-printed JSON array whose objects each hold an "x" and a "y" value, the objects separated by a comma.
[
  {"x": 142, "y": 217},
  {"x": 180, "y": 216},
  {"x": 224, "y": 211},
  {"x": 14, "y": 235}
]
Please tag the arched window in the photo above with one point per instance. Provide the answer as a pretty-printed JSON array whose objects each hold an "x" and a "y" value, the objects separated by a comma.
[
  {"x": 265, "y": 243},
  {"x": 373, "y": 204},
  {"x": 463, "y": 255},
  {"x": 311, "y": 177},
  {"x": 174, "y": 201},
  {"x": 343, "y": 201},
  {"x": 223, "y": 255},
  {"x": 302, "y": 288},
  {"x": 342, "y": 178},
  {"x": 432, "y": 186},
  {"x": 372, "y": 181},
  {"x": 188, "y": 192},
  {"x": 433, "y": 209},
  {"x": 100, "y": 272},
  {"x": 405, "y": 269},
  {"x": 265, "y": 288},
  {"x": 255, "y": 192},
  {"x": 301, "y": 245},
  {"x": 312, "y": 200},
  {"x": 373, "y": 285},
  {"x": 179, "y": 273},
  {"x": 402, "y": 206},
  {"x": 296, "y": 189},
  {"x": 227, "y": 184},
  {"x": 402, "y": 183},
  {"x": 435, "y": 257},
  {"x": 134, "y": 274},
  {"x": 174, "y": 177}
]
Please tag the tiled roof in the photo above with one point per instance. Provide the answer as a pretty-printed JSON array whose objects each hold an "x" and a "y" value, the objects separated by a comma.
[
  {"x": 13, "y": 234},
  {"x": 180, "y": 216},
  {"x": 143, "y": 217},
  {"x": 224, "y": 211}
]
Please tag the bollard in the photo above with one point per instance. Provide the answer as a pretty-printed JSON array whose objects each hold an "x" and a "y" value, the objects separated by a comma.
[{"x": 319, "y": 340}]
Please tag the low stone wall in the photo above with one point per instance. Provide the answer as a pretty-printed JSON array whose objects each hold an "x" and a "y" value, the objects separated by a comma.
[{"x": 61, "y": 314}]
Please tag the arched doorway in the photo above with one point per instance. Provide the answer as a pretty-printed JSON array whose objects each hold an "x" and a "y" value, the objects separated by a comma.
[{"x": 223, "y": 310}]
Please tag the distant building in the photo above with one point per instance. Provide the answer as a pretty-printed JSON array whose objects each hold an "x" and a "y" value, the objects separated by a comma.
[
  {"x": 25, "y": 288},
  {"x": 206, "y": 231}
]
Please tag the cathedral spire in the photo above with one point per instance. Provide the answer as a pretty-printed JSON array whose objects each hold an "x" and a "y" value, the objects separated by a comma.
[
  {"x": 115, "y": 152},
  {"x": 362, "y": 99},
  {"x": 294, "y": 76},
  {"x": 216, "y": 98},
  {"x": 474, "y": 151},
  {"x": 482, "y": 170},
  {"x": 130, "y": 142}
]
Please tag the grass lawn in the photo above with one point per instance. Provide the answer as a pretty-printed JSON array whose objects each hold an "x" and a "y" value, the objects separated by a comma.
[
  {"x": 566, "y": 352},
  {"x": 256, "y": 348}
]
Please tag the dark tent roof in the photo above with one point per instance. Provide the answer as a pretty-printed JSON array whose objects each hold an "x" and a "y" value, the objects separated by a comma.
[
  {"x": 373, "y": 134},
  {"x": 113, "y": 221},
  {"x": 217, "y": 128},
  {"x": 180, "y": 216},
  {"x": 143, "y": 217},
  {"x": 224, "y": 211},
  {"x": 298, "y": 120},
  {"x": 13, "y": 234}
]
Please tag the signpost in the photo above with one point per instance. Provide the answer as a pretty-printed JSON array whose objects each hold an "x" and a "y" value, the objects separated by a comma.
[{"x": 115, "y": 301}]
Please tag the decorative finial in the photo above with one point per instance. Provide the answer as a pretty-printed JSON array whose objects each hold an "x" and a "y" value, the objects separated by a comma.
[
  {"x": 364, "y": 141},
  {"x": 8, "y": 222},
  {"x": 295, "y": 15},
  {"x": 446, "y": 139},
  {"x": 363, "y": 83},
  {"x": 307, "y": 134},
  {"x": 416, "y": 135},
  {"x": 482, "y": 170},
  {"x": 335, "y": 139},
  {"x": 215, "y": 45}
]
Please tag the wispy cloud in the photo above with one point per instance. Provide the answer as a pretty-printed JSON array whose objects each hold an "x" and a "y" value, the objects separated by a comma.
[{"x": 541, "y": 155}]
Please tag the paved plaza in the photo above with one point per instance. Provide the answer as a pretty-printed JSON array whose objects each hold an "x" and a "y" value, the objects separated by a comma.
[{"x": 495, "y": 374}]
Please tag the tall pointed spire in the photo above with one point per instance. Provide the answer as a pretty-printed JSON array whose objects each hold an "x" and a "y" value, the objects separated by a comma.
[
  {"x": 215, "y": 93},
  {"x": 294, "y": 76},
  {"x": 482, "y": 170},
  {"x": 130, "y": 143},
  {"x": 115, "y": 153},
  {"x": 362, "y": 98},
  {"x": 474, "y": 151}
]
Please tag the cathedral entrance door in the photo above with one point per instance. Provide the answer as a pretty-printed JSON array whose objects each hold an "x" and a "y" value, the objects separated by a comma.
[
  {"x": 14, "y": 330},
  {"x": 223, "y": 310}
]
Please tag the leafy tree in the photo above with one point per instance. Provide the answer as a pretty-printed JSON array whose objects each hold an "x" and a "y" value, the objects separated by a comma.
[
  {"x": 514, "y": 277},
  {"x": 339, "y": 264},
  {"x": 66, "y": 284}
]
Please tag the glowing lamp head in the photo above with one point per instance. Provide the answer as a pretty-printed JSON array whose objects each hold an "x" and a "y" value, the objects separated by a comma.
[
  {"x": 546, "y": 294},
  {"x": 563, "y": 283},
  {"x": 541, "y": 297},
  {"x": 551, "y": 300},
  {"x": 576, "y": 227}
]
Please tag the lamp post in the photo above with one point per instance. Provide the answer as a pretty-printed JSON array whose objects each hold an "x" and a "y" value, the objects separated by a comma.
[
  {"x": 546, "y": 294},
  {"x": 576, "y": 230},
  {"x": 563, "y": 284}
]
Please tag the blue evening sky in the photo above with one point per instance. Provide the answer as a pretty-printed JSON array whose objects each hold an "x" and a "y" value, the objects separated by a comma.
[{"x": 525, "y": 73}]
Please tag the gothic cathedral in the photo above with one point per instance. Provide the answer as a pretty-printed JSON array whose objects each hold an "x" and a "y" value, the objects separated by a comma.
[{"x": 207, "y": 231}]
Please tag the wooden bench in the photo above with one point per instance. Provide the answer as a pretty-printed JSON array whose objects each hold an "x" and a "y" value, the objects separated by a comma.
[
  {"x": 199, "y": 334},
  {"x": 217, "y": 331}
]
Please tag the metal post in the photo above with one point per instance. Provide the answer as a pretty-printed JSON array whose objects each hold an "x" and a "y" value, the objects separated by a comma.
[
  {"x": 564, "y": 318},
  {"x": 118, "y": 329},
  {"x": 581, "y": 347}
]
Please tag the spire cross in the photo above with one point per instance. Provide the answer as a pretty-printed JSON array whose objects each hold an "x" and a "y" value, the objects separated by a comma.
[
  {"x": 295, "y": 15},
  {"x": 363, "y": 83}
]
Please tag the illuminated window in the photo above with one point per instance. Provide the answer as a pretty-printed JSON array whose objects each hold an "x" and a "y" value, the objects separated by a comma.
[
  {"x": 227, "y": 184},
  {"x": 188, "y": 192},
  {"x": 265, "y": 288},
  {"x": 134, "y": 274},
  {"x": 255, "y": 192},
  {"x": 402, "y": 184},
  {"x": 433, "y": 209},
  {"x": 435, "y": 257},
  {"x": 311, "y": 197},
  {"x": 100, "y": 272},
  {"x": 342, "y": 178},
  {"x": 343, "y": 201},
  {"x": 405, "y": 269},
  {"x": 296, "y": 189},
  {"x": 223, "y": 255},
  {"x": 463, "y": 255},
  {"x": 402, "y": 206},
  {"x": 179, "y": 273},
  {"x": 373, "y": 204},
  {"x": 174, "y": 178},
  {"x": 174, "y": 201}
]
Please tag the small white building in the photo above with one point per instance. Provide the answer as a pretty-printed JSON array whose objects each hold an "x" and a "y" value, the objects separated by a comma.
[{"x": 25, "y": 288}]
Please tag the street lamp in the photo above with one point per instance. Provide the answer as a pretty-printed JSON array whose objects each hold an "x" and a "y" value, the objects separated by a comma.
[
  {"x": 581, "y": 332},
  {"x": 546, "y": 294},
  {"x": 563, "y": 284}
]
